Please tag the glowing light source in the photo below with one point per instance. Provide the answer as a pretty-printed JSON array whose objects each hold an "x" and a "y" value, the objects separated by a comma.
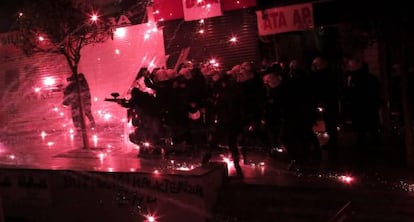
[
  {"x": 120, "y": 32},
  {"x": 43, "y": 134},
  {"x": 150, "y": 217},
  {"x": 107, "y": 116},
  {"x": 49, "y": 81},
  {"x": 201, "y": 31},
  {"x": 94, "y": 17},
  {"x": 41, "y": 38},
  {"x": 183, "y": 168},
  {"x": 228, "y": 162},
  {"x": 95, "y": 140},
  {"x": 347, "y": 179},
  {"x": 101, "y": 156},
  {"x": 233, "y": 39}
]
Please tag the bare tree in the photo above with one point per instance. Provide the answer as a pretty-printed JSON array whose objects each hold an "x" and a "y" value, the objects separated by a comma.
[{"x": 63, "y": 27}]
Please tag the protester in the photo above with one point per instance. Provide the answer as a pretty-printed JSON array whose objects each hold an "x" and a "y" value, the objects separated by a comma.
[{"x": 76, "y": 93}]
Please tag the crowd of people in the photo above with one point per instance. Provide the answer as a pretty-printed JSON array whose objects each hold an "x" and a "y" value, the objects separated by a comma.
[{"x": 273, "y": 105}]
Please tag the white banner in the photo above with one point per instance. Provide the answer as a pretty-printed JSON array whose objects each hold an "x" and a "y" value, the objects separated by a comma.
[
  {"x": 200, "y": 9},
  {"x": 66, "y": 196},
  {"x": 285, "y": 19}
]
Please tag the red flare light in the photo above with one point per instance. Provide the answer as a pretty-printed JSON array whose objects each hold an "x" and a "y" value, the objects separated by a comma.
[{"x": 347, "y": 179}]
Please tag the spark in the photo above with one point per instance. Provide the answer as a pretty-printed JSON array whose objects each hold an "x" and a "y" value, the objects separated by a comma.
[
  {"x": 346, "y": 179},
  {"x": 120, "y": 32},
  {"x": 49, "y": 81},
  {"x": 101, "y": 156},
  {"x": 94, "y": 17},
  {"x": 43, "y": 135},
  {"x": 150, "y": 218}
]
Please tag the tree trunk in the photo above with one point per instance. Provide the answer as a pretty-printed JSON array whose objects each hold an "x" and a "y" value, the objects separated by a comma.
[{"x": 85, "y": 139}]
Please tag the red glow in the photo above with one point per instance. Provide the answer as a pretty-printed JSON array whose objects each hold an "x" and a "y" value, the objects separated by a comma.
[
  {"x": 94, "y": 17},
  {"x": 347, "y": 179},
  {"x": 49, "y": 81},
  {"x": 120, "y": 32},
  {"x": 43, "y": 134},
  {"x": 150, "y": 218},
  {"x": 41, "y": 38}
]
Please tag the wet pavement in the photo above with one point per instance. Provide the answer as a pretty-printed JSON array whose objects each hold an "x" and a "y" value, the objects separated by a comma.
[{"x": 354, "y": 185}]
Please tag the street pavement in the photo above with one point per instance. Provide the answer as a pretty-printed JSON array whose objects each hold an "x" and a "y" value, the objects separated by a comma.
[{"x": 346, "y": 184}]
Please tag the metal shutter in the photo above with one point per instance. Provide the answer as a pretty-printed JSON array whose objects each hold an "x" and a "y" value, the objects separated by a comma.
[{"x": 214, "y": 42}]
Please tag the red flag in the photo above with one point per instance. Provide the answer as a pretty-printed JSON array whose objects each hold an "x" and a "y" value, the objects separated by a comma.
[
  {"x": 200, "y": 9},
  {"x": 165, "y": 10}
]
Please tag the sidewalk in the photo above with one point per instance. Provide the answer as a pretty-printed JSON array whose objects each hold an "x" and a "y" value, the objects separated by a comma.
[
  {"x": 375, "y": 182},
  {"x": 348, "y": 185}
]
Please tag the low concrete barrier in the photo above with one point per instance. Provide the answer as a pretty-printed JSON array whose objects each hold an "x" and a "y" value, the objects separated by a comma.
[{"x": 63, "y": 195}]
